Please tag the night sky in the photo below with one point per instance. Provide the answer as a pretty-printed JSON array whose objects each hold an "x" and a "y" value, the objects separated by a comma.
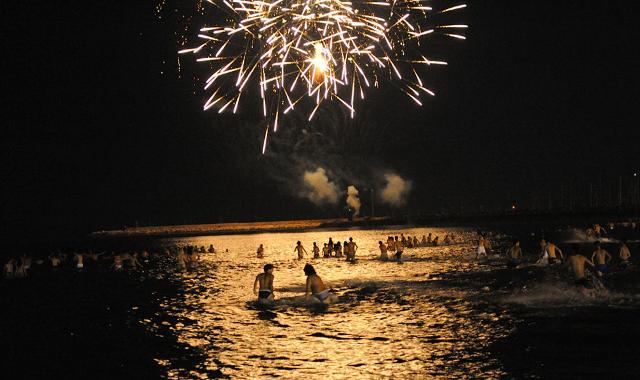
[{"x": 102, "y": 129}]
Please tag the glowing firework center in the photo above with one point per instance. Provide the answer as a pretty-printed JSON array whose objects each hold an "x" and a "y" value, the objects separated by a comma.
[
  {"x": 303, "y": 52},
  {"x": 320, "y": 64}
]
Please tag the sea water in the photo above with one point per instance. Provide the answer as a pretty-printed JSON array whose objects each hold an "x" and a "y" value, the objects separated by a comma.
[{"x": 439, "y": 314}]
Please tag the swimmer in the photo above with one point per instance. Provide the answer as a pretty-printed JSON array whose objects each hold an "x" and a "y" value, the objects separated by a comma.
[
  {"x": 133, "y": 260},
  {"x": 325, "y": 250},
  {"x": 117, "y": 262},
  {"x": 601, "y": 259},
  {"x": 577, "y": 263},
  {"x": 598, "y": 230},
  {"x": 315, "y": 250},
  {"x": 624, "y": 254},
  {"x": 554, "y": 253},
  {"x": 96, "y": 256},
  {"x": 300, "y": 249},
  {"x": 415, "y": 241},
  {"x": 316, "y": 288},
  {"x": 211, "y": 249},
  {"x": 543, "y": 246},
  {"x": 435, "y": 241},
  {"x": 429, "y": 238},
  {"x": 544, "y": 256},
  {"x": 514, "y": 254},
  {"x": 260, "y": 251},
  {"x": 383, "y": 251},
  {"x": 55, "y": 260},
  {"x": 330, "y": 247},
  {"x": 351, "y": 251},
  {"x": 481, "y": 247},
  {"x": 589, "y": 232},
  {"x": 399, "y": 249},
  {"x": 19, "y": 271},
  {"x": 487, "y": 243},
  {"x": 78, "y": 258},
  {"x": 391, "y": 244},
  {"x": 423, "y": 242},
  {"x": 9, "y": 268},
  {"x": 182, "y": 258},
  {"x": 26, "y": 262},
  {"x": 193, "y": 258},
  {"x": 263, "y": 285},
  {"x": 447, "y": 240},
  {"x": 338, "y": 248}
]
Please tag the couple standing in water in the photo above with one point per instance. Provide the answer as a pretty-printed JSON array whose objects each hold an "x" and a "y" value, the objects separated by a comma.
[{"x": 315, "y": 289}]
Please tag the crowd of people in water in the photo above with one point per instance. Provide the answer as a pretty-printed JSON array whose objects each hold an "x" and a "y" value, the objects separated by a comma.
[
  {"x": 393, "y": 246},
  {"x": 598, "y": 260},
  {"x": 315, "y": 289},
  {"x": 549, "y": 255},
  {"x": 186, "y": 257}
]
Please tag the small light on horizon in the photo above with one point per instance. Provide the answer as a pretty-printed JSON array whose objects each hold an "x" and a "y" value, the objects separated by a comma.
[{"x": 513, "y": 207}]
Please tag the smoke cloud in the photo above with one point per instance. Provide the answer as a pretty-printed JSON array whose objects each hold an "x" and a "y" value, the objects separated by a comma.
[
  {"x": 353, "y": 200},
  {"x": 396, "y": 190},
  {"x": 319, "y": 189}
]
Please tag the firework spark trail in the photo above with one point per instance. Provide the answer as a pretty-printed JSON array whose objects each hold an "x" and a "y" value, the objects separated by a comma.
[{"x": 311, "y": 51}]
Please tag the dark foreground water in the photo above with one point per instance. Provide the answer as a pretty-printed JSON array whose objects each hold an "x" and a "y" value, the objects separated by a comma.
[{"x": 440, "y": 314}]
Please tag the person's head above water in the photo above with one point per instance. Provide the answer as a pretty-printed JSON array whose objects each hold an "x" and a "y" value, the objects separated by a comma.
[
  {"x": 350, "y": 239},
  {"x": 268, "y": 267},
  {"x": 298, "y": 242},
  {"x": 516, "y": 241},
  {"x": 309, "y": 270}
]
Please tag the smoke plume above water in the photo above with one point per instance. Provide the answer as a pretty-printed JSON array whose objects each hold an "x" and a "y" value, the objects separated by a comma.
[
  {"x": 318, "y": 188},
  {"x": 396, "y": 190},
  {"x": 353, "y": 201}
]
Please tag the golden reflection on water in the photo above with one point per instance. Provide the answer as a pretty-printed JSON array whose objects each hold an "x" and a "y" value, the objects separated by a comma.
[{"x": 393, "y": 321}]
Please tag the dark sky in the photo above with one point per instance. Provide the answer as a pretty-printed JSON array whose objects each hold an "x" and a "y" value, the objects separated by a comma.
[{"x": 101, "y": 129}]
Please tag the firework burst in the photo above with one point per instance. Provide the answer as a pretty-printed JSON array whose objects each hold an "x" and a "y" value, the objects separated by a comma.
[{"x": 304, "y": 52}]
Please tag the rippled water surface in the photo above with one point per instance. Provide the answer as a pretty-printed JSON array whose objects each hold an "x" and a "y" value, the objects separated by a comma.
[
  {"x": 439, "y": 314},
  {"x": 391, "y": 320}
]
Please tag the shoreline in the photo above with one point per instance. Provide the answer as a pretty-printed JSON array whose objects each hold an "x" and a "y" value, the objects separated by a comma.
[
  {"x": 244, "y": 228},
  {"x": 470, "y": 220}
]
